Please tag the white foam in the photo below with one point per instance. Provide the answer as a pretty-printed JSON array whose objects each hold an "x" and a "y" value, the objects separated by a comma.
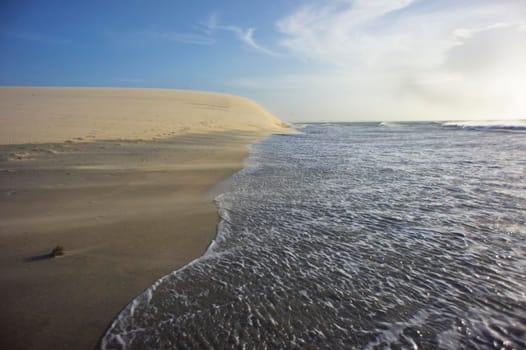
[
  {"x": 488, "y": 124},
  {"x": 123, "y": 337},
  {"x": 390, "y": 124}
]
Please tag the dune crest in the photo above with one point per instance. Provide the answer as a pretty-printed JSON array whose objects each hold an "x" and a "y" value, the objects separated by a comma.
[{"x": 46, "y": 114}]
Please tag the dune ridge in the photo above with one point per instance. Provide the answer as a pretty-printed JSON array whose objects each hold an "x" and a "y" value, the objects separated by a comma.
[{"x": 50, "y": 114}]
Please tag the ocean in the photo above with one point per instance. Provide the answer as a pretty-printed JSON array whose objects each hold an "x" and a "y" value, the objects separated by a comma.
[{"x": 356, "y": 236}]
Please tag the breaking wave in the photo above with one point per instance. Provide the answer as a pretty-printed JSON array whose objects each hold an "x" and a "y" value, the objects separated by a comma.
[{"x": 519, "y": 124}]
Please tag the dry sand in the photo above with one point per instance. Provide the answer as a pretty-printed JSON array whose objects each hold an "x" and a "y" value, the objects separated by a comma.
[
  {"x": 127, "y": 211},
  {"x": 36, "y": 115}
]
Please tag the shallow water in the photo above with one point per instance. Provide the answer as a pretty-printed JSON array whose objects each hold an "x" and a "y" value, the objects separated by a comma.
[{"x": 356, "y": 236}]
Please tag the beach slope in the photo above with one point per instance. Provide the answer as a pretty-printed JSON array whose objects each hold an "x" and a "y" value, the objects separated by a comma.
[{"x": 120, "y": 178}]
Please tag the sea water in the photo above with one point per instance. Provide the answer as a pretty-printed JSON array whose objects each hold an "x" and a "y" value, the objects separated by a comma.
[{"x": 356, "y": 236}]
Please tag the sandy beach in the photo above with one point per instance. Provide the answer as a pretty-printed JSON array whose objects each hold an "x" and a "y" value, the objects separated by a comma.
[{"x": 121, "y": 178}]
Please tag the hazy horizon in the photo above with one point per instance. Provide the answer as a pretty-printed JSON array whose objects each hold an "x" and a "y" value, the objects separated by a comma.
[{"x": 337, "y": 61}]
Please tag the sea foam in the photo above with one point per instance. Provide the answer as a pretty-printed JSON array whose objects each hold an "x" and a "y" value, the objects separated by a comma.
[{"x": 513, "y": 124}]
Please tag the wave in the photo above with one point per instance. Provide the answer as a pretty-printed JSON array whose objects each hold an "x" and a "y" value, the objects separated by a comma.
[
  {"x": 517, "y": 124},
  {"x": 389, "y": 124},
  {"x": 319, "y": 247},
  {"x": 298, "y": 125}
]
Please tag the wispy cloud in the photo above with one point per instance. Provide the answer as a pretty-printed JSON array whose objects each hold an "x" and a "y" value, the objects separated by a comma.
[
  {"x": 244, "y": 35},
  {"x": 127, "y": 80},
  {"x": 39, "y": 38},
  {"x": 184, "y": 38},
  {"x": 149, "y": 36}
]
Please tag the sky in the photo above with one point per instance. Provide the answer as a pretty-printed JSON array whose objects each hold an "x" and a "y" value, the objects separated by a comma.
[{"x": 304, "y": 60}]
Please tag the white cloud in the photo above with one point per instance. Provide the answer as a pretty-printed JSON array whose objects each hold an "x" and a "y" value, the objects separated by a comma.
[
  {"x": 402, "y": 59},
  {"x": 490, "y": 66},
  {"x": 340, "y": 32},
  {"x": 466, "y": 33}
]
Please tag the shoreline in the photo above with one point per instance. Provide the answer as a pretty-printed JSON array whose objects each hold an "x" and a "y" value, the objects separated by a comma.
[
  {"x": 217, "y": 190},
  {"x": 127, "y": 211},
  {"x": 70, "y": 301}
]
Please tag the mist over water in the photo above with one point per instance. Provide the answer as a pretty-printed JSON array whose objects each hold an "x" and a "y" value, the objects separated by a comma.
[{"x": 355, "y": 236}]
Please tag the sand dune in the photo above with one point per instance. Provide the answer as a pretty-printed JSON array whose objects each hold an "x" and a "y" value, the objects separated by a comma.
[
  {"x": 126, "y": 211},
  {"x": 40, "y": 115}
]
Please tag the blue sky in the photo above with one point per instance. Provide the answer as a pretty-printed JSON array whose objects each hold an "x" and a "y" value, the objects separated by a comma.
[{"x": 304, "y": 60}]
